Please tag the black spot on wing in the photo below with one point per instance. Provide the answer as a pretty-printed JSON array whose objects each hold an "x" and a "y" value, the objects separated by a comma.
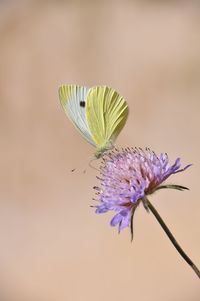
[{"x": 82, "y": 104}]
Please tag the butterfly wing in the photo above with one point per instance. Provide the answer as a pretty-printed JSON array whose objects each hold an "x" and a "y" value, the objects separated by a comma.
[
  {"x": 73, "y": 101},
  {"x": 106, "y": 113}
]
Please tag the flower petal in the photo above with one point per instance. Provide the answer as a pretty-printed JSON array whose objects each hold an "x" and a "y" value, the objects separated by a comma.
[{"x": 116, "y": 220}]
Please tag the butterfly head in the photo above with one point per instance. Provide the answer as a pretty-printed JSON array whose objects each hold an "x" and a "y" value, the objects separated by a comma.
[
  {"x": 99, "y": 153},
  {"x": 103, "y": 149}
]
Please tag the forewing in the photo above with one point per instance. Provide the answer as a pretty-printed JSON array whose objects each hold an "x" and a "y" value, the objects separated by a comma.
[
  {"x": 73, "y": 101},
  {"x": 106, "y": 113}
]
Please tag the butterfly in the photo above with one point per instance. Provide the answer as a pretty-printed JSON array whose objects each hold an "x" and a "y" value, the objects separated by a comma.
[{"x": 99, "y": 113}]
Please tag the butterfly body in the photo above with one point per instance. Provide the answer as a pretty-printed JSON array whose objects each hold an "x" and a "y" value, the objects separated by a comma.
[{"x": 99, "y": 113}]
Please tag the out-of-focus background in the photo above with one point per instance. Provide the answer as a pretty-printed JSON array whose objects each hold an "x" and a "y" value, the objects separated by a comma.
[{"x": 53, "y": 246}]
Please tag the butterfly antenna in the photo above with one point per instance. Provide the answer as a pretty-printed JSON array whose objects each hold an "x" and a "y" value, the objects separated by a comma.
[{"x": 92, "y": 166}]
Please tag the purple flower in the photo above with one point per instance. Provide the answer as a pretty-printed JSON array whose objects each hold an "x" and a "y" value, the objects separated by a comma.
[{"x": 127, "y": 177}]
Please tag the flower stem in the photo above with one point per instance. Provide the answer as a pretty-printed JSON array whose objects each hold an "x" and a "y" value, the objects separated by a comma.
[{"x": 171, "y": 237}]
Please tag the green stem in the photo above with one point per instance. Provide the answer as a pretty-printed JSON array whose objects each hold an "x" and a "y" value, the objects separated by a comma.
[
  {"x": 171, "y": 237},
  {"x": 172, "y": 186}
]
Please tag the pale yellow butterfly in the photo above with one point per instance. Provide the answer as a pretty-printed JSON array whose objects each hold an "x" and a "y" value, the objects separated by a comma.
[{"x": 99, "y": 113}]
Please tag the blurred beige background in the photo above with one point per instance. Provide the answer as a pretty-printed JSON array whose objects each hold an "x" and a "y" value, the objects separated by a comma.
[{"x": 53, "y": 246}]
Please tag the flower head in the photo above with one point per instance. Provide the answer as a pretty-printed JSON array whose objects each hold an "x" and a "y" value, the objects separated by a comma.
[{"x": 127, "y": 177}]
